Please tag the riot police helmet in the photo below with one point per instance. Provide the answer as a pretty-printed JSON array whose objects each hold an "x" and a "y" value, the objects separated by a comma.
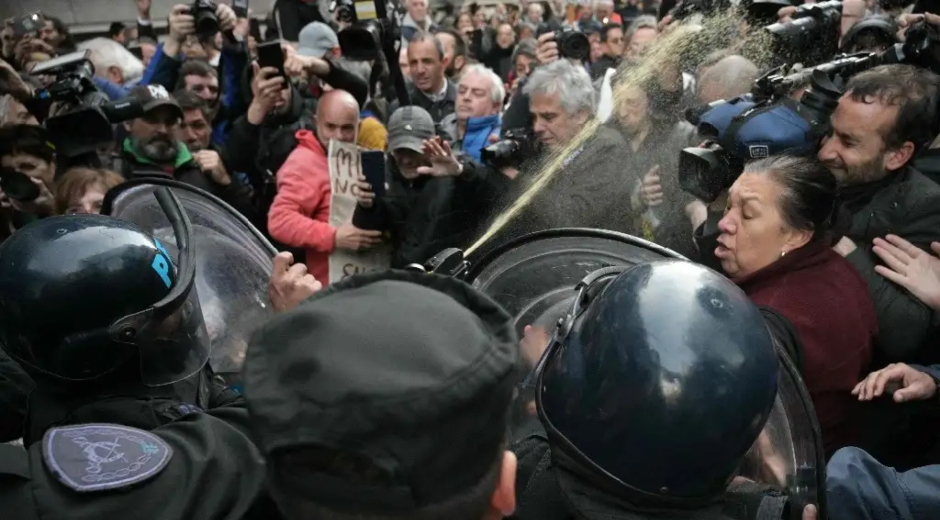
[
  {"x": 657, "y": 383},
  {"x": 88, "y": 297}
]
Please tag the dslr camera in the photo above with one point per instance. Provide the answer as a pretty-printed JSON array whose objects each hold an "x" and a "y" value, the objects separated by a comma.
[
  {"x": 81, "y": 120},
  {"x": 204, "y": 18},
  {"x": 512, "y": 150},
  {"x": 572, "y": 44}
]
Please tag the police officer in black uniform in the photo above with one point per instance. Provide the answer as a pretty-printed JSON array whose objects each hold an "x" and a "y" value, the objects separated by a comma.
[
  {"x": 653, "y": 389},
  {"x": 94, "y": 310}
]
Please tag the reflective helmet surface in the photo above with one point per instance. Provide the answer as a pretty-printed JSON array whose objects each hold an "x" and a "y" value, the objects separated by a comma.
[
  {"x": 663, "y": 383},
  {"x": 64, "y": 281}
]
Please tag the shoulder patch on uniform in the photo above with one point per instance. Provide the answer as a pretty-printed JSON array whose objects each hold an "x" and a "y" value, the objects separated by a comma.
[{"x": 98, "y": 457}]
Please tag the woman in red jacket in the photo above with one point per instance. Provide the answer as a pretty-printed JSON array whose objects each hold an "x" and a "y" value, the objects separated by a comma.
[{"x": 775, "y": 244}]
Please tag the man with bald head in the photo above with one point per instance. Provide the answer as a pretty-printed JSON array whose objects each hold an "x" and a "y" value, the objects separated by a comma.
[
  {"x": 729, "y": 77},
  {"x": 300, "y": 214}
]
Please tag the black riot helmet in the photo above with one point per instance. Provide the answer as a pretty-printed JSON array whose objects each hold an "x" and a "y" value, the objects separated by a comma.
[
  {"x": 83, "y": 297},
  {"x": 657, "y": 384}
]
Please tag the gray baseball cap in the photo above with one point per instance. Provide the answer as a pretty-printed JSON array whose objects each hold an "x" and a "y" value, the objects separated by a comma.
[
  {"x": 409, "y": 127},
  {"x": 316, "y": 39}
]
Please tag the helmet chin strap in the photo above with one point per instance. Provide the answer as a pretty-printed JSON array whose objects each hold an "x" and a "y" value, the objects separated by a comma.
[{"x": 587, "y": 289}]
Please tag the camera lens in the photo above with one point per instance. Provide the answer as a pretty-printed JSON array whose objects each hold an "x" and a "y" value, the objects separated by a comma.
[
  {"x": 573, "y": 45},
  {"x": 207, "y": 23},
  {"x": 17, "y": 185}
]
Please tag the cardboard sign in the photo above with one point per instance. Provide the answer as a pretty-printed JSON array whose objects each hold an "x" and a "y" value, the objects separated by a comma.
[{"x": 345, "y": 168}]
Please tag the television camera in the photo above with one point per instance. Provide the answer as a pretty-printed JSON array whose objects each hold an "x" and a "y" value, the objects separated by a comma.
[
  {"x": 768, "y": 122},
  {"x": 82, "y": 116}
]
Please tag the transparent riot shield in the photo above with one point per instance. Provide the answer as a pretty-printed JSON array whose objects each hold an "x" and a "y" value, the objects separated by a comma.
[
  {"x": 233, "y": 262},
  {"x": 534, "y": 278}
]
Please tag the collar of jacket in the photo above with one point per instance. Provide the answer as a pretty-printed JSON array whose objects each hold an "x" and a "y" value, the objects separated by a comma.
[
  {"x": 183, "y": 155},
  {"x": 450, "y": 93},
  {"x": 857, "y": 196},
  {"x": 479, "y": 123},
  {"x": 806, "y": 256}
]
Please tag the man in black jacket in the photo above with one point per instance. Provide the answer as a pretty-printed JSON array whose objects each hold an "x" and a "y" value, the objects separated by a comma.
[
  {"x": 428, "y": 207},
  {"x": 153, "y": 149},
  {"x": 886, "y": 115},
  {"x": 260, "y": 141},
  {"x": 587, "y": 189},
  {"x": 431, "y": 89}
]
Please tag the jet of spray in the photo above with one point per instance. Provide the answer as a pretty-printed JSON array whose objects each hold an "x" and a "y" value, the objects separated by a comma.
[{"x": 678, "y": 41}]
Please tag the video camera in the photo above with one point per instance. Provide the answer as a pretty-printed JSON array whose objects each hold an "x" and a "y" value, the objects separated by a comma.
[
  {"x": 372, "y": 35},
  {"x": 767, "y": 122},
  {"x": 811, "y": 35},
  {"x": 82, "y": 121}
]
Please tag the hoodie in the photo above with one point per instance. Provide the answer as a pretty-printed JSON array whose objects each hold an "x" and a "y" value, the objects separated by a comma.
[{"x": 300, "y": 214}]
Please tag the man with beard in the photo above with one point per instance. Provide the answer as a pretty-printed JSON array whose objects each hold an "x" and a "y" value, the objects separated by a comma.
[
  {"x": 886, "y": 115},
  {"x": 152, "y": 149},
  {"x": 455, "y": 52}
]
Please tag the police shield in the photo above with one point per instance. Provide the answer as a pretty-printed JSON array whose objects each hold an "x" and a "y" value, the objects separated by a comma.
[
  {"x": 233, "y": 262},
  {"x": 534, "y": 278}
]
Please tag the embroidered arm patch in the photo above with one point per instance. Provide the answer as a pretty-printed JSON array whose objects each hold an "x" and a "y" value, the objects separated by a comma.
[{"x": 99, "y": 457}]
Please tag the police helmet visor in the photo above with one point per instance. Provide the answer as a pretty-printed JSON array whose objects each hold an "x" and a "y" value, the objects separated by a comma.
[
  {"x": 233, "y": 263},
  {"x": 170, "y": 336},
  {"x": 534, "y": 278}
]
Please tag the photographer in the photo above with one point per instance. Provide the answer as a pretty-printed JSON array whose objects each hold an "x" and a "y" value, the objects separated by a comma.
[
  {"x": 590, "y": 188},
  {"x": 152, "y": 148},
  {"x": 881, "y": 121},
  {"x": 165, "y": 66}
]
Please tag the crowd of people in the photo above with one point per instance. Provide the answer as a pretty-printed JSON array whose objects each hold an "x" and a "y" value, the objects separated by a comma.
[{"x": 837, "y": 247}]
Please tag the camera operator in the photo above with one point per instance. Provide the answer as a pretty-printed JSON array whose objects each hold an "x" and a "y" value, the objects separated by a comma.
[
  {"x": 152, "y": 148},
  {"x": 883, "y": 119}
]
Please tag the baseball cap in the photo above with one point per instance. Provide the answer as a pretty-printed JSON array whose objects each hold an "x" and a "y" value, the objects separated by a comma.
[
  {"x": 409, "y": 127},
  {"x": 412, "y": 373},
  {"x": 316, "y": 39},
  {"x": 153, "y": 96}
]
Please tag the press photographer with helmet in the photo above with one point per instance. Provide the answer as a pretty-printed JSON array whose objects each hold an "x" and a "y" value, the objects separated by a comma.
[{"x": 124, "y": 413}]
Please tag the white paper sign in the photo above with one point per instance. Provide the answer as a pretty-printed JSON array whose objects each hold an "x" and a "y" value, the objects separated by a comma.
[{"x": 345, "y": 168}]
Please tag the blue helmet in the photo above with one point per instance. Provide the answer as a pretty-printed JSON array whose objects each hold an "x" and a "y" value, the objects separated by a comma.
[{"x": 660, "y": 384}]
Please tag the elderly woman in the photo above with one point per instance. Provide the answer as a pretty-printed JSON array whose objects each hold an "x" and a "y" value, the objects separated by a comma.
[
  {"x": 81, "y": 190},
  {"x": 775, "y": 244}
]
